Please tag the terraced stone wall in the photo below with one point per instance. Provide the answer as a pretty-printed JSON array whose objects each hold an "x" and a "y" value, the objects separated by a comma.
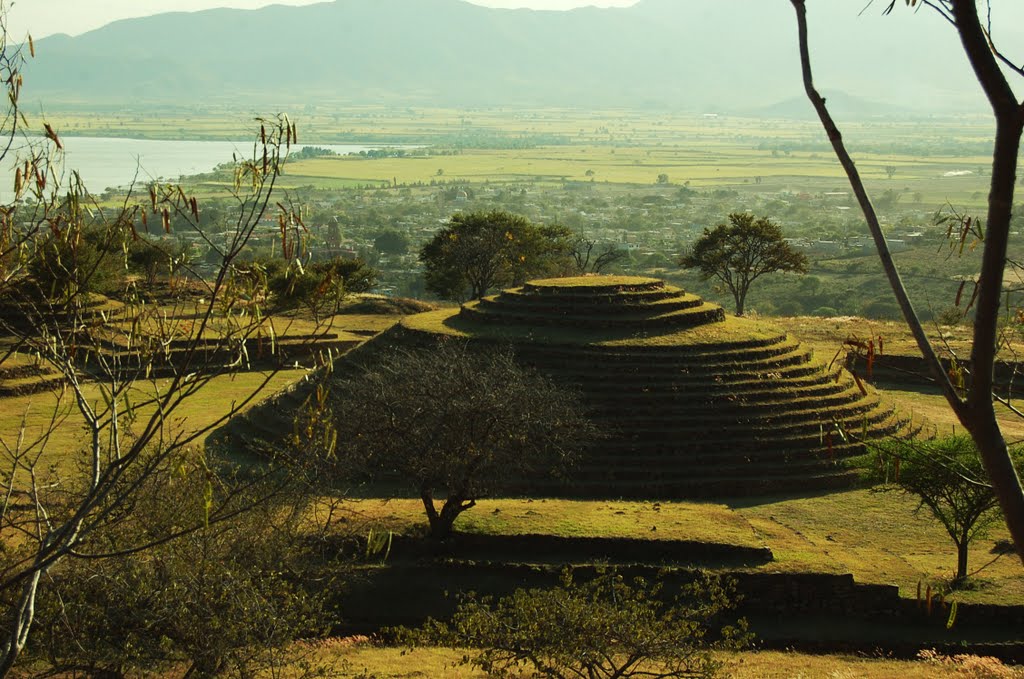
[{"x": 694, "y": 403}]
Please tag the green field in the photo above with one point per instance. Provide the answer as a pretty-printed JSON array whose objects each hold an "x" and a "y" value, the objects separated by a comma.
[
  {"x": 615, "y": 147},
  {"x": 698, "y": 162}
]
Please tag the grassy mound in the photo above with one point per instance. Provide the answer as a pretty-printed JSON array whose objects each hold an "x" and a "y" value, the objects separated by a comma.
[{"x": 697, "y": 403}]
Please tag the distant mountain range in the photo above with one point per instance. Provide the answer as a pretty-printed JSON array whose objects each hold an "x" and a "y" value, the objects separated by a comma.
[{"x": 726, "y": 56}]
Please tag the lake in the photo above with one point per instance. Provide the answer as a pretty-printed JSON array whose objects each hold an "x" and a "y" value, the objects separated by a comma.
[{"x": 106, "y": 162}]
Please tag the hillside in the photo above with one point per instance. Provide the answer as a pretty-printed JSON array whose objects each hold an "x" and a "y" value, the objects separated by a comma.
[{"x": 731, "y": 56}]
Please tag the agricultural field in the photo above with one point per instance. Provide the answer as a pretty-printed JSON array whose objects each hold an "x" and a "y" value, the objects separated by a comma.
[
  {"x": 603, "y": 147},
  {"x": 644, "y": 182}
]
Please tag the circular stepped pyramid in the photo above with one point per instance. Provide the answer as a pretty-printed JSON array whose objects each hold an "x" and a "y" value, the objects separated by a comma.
[{"x": 695, "y": 404}]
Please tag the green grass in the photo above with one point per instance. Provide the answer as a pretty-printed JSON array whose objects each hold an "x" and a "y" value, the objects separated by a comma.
[
  {"x": 201, "y": 410},
  {"x": 592, "y": 281},
  {"x": 695, "y": 521},
  {"x": 36, "y": 411},
  {"x": 635, "y": 163},
  {"x": 733, "y": 329},
  {"x": 879, "y": 538},
  {"x": 876, "y": 536}
]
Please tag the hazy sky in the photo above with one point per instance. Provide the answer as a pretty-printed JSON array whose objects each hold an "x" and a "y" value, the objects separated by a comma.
[{"x": 43, "y": 17}]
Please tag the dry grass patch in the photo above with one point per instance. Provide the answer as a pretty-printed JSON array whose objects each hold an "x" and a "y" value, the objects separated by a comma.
[
  {"x": 790, "y": 665},
  {"x": 366, "y": 660},
  {"x": 826, "y": 335}
]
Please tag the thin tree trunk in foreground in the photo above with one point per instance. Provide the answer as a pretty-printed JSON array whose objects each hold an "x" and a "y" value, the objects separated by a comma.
[{"x": 976, "y": 412}]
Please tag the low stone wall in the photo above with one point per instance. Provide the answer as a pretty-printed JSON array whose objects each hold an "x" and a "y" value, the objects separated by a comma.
[
  {"x": 780, "y": 594},
  {"x": 556, "y": 549},
  {"x": 912, "y": 369}
]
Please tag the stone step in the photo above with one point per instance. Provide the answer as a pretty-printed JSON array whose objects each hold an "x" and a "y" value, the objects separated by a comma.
[
  {"x": 558, "y": 306},
  {"x": 645, "y": 364},
  {"x": 705, "y": 486},
  {"x": 690, "y": 317},
  {"x": 684, "y": 402},
  {"x": 26, "y": 386}
]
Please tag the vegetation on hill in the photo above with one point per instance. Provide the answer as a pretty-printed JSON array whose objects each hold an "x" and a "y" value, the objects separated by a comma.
[
  {"x": 478, "y": 252},
  {"x": 738, "y": 253}
]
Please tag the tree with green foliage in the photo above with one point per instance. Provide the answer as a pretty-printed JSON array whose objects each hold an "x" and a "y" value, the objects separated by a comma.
[
  {"x": 454, "y": 421},
  {"x": 154, "y": 259},
  {"x": 480, "y": 251},
  {"x": 391, "y": 242},
  {"x": 606, "y": 627},
  {"x": 973, "y": 403},
  {"x": 740, "y": 252},
  {"x": 63, "y": 269},
  {"x": 319, "y": 287},
  {"x": 947, "y": 477}
]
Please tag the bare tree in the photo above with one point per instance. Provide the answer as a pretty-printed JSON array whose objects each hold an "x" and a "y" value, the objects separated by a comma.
[
  {"x": 974, "y": 403},
  {"x": 458, "y": 420},
  {"x": 127, "y": 368},
  {"x": 590, "y": 258}
]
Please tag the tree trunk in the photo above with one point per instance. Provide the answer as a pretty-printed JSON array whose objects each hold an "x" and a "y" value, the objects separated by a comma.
[
  {"x": 995, "y": 457},
  {"x": 441, "y": 522},
  {"x": 976, "y": 412},
  {"x": 961, "y": 559},
  {"x": 22, "y": 615},
  {"x": 433, "y": 518}
]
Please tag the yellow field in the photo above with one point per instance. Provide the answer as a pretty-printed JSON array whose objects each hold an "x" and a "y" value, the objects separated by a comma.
[
  {"x": 441, "y": 663},
  {"x": 699, "y": 163},
  {"x": 614, "y": 147}
]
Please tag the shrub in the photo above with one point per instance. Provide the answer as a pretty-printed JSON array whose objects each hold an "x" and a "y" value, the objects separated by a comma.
[{"x": 605, "y": 627}]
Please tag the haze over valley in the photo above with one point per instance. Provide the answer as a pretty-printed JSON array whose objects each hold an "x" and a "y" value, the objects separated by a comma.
[{"x": 727, "y": 56}]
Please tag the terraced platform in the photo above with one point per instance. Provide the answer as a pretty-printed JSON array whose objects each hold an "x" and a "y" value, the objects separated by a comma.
[{"x": 696, "y": 403}]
